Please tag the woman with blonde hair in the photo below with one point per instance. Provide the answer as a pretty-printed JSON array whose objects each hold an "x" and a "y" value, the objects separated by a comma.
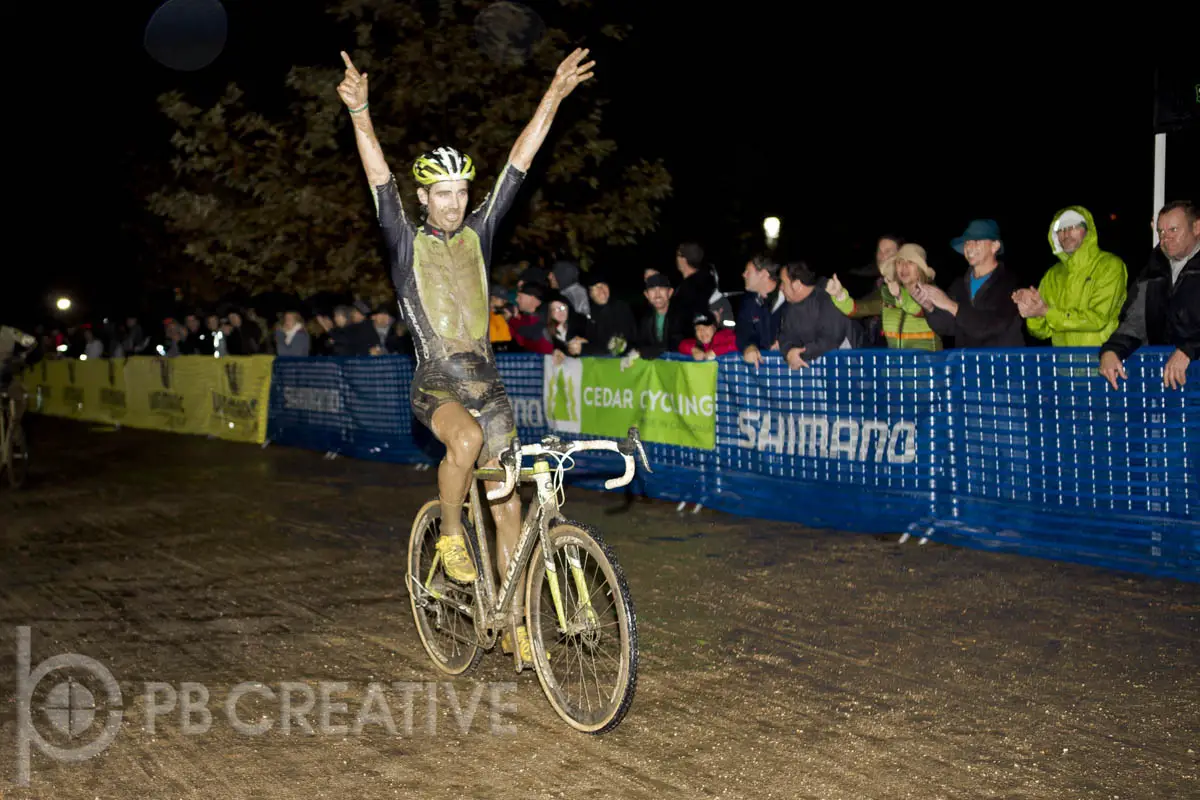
[{"x": 904, "y": 324}]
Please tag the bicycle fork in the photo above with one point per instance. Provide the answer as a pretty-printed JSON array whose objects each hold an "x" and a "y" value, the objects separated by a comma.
[{"x": 589, "y": 619}]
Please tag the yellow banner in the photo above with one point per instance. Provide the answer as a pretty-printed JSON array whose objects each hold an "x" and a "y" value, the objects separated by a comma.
[{"x": 225, "y": 397}]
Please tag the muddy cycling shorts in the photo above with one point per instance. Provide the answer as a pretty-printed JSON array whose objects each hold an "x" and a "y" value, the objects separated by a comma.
[{"x": 474, "y": 381}]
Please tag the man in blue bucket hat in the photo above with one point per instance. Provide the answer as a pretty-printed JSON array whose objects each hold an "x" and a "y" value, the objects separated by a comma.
[{"x": 978, "y": 310}]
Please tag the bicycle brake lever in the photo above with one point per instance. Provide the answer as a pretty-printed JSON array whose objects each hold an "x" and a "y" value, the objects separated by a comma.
[
  {"x": 633, "y": 442},
  {"x": 642, "y": 452}
]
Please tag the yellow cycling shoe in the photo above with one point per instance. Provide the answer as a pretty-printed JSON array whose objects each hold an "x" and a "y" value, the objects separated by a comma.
[
  {"x": 456, "y": 561},
  {"x": 522, "y": 641}
]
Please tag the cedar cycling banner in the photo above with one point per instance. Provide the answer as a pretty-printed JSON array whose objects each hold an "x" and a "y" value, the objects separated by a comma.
[{"x": 670, "y": 402}]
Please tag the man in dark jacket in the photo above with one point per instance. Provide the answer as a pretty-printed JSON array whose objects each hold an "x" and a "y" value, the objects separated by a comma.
[
  {"x": 665, "y": 326},
  {"x": 1164, "y": 305},
  {"x": 693, "y": 295},
  {"x": 812, "y": 324},
  {"x": 611, "y": 330},
  {"x": 762, "y": 309},
  {"x": 979, "y": 310}
]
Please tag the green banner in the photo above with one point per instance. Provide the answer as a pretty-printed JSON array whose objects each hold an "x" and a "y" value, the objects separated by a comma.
[{"x": 671, "y": 402}]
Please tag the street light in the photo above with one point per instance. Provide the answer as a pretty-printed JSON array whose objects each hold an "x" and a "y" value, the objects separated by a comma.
[
  {"x": 771, "y": 228},
  {"x": 63, "y": 303}
]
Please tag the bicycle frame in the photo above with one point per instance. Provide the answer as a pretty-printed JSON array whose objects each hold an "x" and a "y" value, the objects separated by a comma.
[
  {"x": 492, "y": 608},
  {"x": 543, "y": 508}
]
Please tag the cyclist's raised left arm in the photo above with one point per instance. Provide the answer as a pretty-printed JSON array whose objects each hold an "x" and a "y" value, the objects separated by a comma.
[{"x": 571, "y": 72}]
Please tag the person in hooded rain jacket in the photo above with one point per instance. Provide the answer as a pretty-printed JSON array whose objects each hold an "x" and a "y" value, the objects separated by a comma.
[{"x": 1078, "y": 302}]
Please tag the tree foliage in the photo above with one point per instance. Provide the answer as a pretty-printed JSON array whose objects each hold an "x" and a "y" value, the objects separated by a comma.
[{"x": 280, "y": 202}]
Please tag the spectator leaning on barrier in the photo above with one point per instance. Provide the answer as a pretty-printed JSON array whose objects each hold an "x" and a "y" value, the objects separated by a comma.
[
  {"x": 501, "y": 312},
  {"x": 528, "y": 328},
  {"x": 360, "y": 331},
  {"x": 665, "y": 326},
  {"x": 533, "y": 275},
  {"x": 1079, "y": 300},
  {"x": 611, "y": 329},
  {"x": 709, "y": 340},
  {"x": 905, "y": 326},
  {"x": 383, "y": 325},
  {"x": 762, "y": 309},
  {"x": 93, "y": 347},
  {"x": 565, "y": 278},
  {"x": 812, "y": 325},
  {"x": 173, "y": 338},
  {"x": 247, "y": 337},
  {"x": 195, "y": 339},
  {"x": 978, "y": 311},
  {"x": 290, "y": 337},
  {"x": 1164, "y": 305},
  {"x": 565, "y": 328}
]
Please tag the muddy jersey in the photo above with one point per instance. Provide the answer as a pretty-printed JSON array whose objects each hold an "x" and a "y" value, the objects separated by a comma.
[{"x": 441, "y": 277}]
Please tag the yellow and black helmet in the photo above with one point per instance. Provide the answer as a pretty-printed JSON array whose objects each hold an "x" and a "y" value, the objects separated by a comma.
[{"x": 443, "y": 164}]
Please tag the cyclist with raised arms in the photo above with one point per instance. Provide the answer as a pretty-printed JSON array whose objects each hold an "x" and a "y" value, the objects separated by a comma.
[{"x": 440, "y": 269}]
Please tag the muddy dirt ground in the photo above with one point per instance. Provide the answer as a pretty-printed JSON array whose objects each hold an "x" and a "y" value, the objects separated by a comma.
[{"x": 776, "y": 661}]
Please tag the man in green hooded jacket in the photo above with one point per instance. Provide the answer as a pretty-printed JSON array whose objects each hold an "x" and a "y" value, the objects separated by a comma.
[{"x": 1079, "y": 301}]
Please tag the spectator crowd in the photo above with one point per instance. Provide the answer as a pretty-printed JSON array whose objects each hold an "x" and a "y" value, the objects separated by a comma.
[{"x": 1087, "y": 298}]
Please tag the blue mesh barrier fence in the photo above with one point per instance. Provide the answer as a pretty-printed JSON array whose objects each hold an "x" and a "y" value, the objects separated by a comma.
[{"x": 1026, "y": 450}]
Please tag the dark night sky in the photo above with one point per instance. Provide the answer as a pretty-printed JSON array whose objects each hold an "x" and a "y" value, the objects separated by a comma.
[{"x": 844, "y": 126}]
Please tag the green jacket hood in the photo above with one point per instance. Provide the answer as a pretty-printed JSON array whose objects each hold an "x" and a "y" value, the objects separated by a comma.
[{"x": 1087, "y": 251}]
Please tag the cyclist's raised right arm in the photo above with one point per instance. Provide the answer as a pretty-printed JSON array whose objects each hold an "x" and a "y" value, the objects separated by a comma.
[
  {"x": 353, "y": 91},
  {"x": 384, "y": 191}
]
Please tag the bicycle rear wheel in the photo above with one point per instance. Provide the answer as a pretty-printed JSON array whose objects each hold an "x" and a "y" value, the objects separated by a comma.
[
  {"x": 586, "y": 661},
  {"x": 446, "y": 631}
]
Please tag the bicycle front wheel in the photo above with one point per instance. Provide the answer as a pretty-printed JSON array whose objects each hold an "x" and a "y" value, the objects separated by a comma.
[
  {"x": 583, "y": 629},
  {"x": 439, "y": 604}
]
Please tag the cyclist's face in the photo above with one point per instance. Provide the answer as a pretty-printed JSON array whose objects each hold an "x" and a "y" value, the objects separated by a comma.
[{"x": 447, "y": 203}]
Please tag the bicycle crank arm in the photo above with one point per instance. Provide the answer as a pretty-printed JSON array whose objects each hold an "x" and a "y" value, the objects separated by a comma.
[{"x": 428, "y": 595}]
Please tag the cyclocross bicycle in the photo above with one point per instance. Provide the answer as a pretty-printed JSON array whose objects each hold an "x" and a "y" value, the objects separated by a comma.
[{"x": 578, "y": 609}]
